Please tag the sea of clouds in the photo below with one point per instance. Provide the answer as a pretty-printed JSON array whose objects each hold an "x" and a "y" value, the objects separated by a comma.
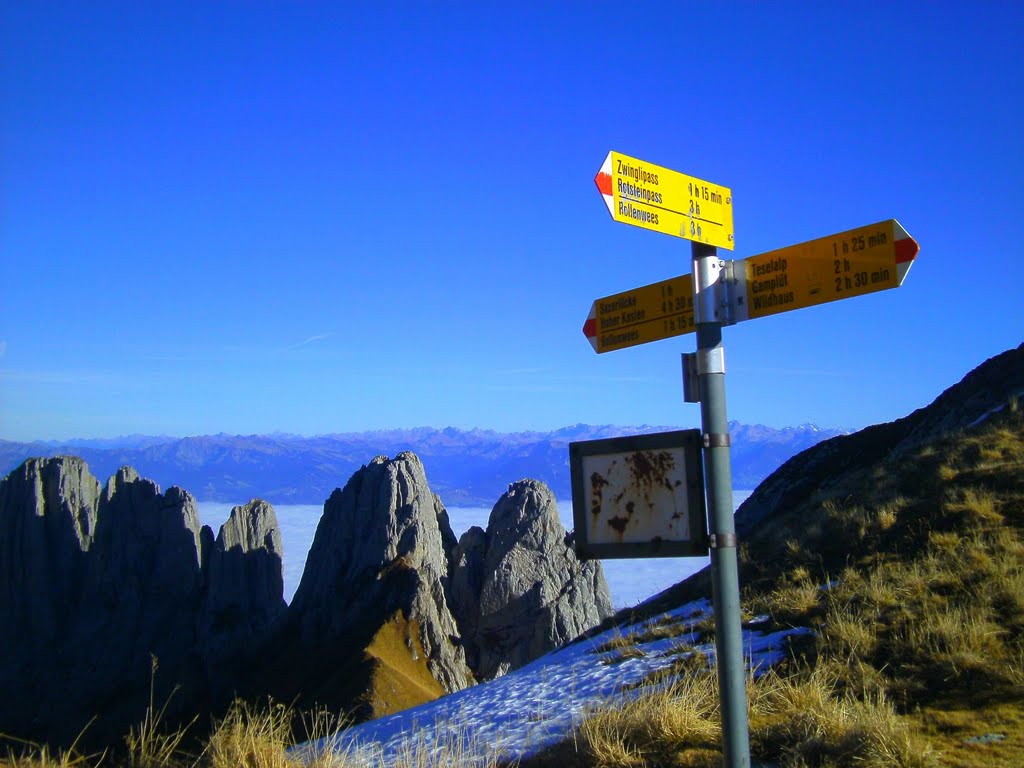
[{"x": 630, "y": 581}]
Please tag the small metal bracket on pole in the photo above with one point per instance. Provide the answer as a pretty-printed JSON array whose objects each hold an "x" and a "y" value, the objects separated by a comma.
[
  {"x": 722, "y": 540},
  {"x": 691, "y": 380},
  {"x": 720, "y": 293},
  {"x": 710, "y": 361},
  {"x": 708, "y": 306},
  {"x": 717, "y": 440},
  {"x": 697, "y": 364}
]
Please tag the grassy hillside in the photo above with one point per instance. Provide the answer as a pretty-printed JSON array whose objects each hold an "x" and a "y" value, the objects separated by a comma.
[{"x": 911, "y": 574}]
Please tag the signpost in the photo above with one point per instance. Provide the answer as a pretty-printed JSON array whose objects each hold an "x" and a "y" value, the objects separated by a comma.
[
  {"x": 840, "y": 266},
  {"x": 718, "y": 293},
  {"x": 852, "y": 263},
  {"x": 652, "y": 312},
  {"x": 649, "y": 196}
]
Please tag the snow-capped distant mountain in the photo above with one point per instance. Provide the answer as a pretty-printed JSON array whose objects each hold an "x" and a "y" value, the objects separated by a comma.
[{"x": 465, "y": 467}]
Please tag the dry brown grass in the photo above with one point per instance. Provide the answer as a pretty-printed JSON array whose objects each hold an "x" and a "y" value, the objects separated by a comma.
[
  {"x": 259, "y": 737},
  {"x": 799, "y": 720},
  {"x": 253, "y": 736},
  {"x": 653, "y": 729},
  {"x": 914, "y": 582},
  {"x": 42, "y": 757},
  {"x": 804, "y": 720},
  {"x": 661, "y": 628}
]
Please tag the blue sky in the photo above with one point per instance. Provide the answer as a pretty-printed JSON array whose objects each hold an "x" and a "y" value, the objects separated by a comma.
[{"x": 319, "y": 217}]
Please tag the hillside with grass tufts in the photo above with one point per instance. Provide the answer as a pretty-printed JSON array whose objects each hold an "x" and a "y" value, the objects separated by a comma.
[{"x": 900, "y": 547}]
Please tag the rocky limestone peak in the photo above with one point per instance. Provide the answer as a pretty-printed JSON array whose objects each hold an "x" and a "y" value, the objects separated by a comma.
[
  {"x": 145, "y": 534},
  {"x": 95, "y": 583},
  {"x": 525, "y": 517},
  {"x": 250, "y": 527},
  {"x": 245, "y": 582},
  {"x": 75, "y": 492},
  {"x": 533, "y": 594},
  {"x": 48, "y": 510},
  {"x": 141, "y": 599},
  {"x": 379, "y": 552},
  {"x": 60, "y": 490},
  {"x": 243, "y": 607},
  {"x": 124, "y": 477}
]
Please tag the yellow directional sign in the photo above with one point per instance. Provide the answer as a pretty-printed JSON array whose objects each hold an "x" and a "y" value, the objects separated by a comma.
[
  {"x": 650, "y": 313},
  {"x": 649, "y": 196},
  {"x": 840, "y": 266}
]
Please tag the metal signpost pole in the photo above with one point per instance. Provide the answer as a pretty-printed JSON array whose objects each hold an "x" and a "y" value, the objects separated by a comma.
[{"x": 710, "y": 308}]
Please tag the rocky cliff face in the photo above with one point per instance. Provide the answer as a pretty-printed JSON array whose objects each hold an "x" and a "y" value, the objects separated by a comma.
[
  {"x": 47, "y": 525},
  {"x": 392, "y": 611},
  {"x": 96, "y": 583},
  {"x": 376, "y": 578},
  {"x": 518, "y": 589},
  {"x": 243, "y": 605}
]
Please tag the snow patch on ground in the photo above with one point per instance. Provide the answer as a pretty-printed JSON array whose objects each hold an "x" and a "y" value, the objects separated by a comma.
[{"x": 540, "y": 704}]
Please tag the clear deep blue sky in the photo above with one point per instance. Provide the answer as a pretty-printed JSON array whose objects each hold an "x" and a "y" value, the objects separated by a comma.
[{"x": 318, "y": 217}]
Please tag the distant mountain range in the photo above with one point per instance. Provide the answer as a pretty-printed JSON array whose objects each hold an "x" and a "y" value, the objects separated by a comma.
[{"x": 465, "y": 467}]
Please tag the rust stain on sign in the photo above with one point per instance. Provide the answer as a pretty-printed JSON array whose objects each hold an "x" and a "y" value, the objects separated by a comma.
[
  {"x": 619, "y": 524},
  {"x": 637, "y": 495},
  {"x": 650, "y": 468},
  {"x": 597, "y": 485}
]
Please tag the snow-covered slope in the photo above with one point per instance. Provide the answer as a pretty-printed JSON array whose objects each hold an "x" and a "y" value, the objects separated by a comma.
[{"x": 539, "y": 705}]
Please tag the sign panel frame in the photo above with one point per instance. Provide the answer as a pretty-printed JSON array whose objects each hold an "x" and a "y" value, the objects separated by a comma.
[
  {"x": 657, "y": 198},
  {"x": 643, "y": 459},
  {"x": 856, "y": 262},
  {"x": 652, "y": 312},
  {"x": 868, "y": 259}
]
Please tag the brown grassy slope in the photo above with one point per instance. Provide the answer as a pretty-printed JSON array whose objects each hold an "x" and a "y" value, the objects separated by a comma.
[
  {"x": 924, "y": 555},
  {"x": 374, "y": 665},
  {"x": 400, "y": 677},
  {"x": 375, "y": 670},
  {"x": 987, "y": 387}
]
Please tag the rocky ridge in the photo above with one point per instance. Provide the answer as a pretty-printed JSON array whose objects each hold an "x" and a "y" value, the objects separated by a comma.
[
  {"x": 376, "y": 576},
  {"x": 425, "y": 614},
  {"x": 518, "y": 588},
  {"x": 989, "y": 387},
  {"x": 97, "y": 582}
]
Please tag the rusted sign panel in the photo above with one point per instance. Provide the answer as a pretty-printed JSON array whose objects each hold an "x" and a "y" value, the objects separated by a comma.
[{"x": 639, "y": 496}]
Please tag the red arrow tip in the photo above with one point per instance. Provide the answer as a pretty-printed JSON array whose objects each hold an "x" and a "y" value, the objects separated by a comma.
[
  {"x": 906, "y": 249},
  {"x": 604, "y": 182},
  {"x": 590, "y": 328}
]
